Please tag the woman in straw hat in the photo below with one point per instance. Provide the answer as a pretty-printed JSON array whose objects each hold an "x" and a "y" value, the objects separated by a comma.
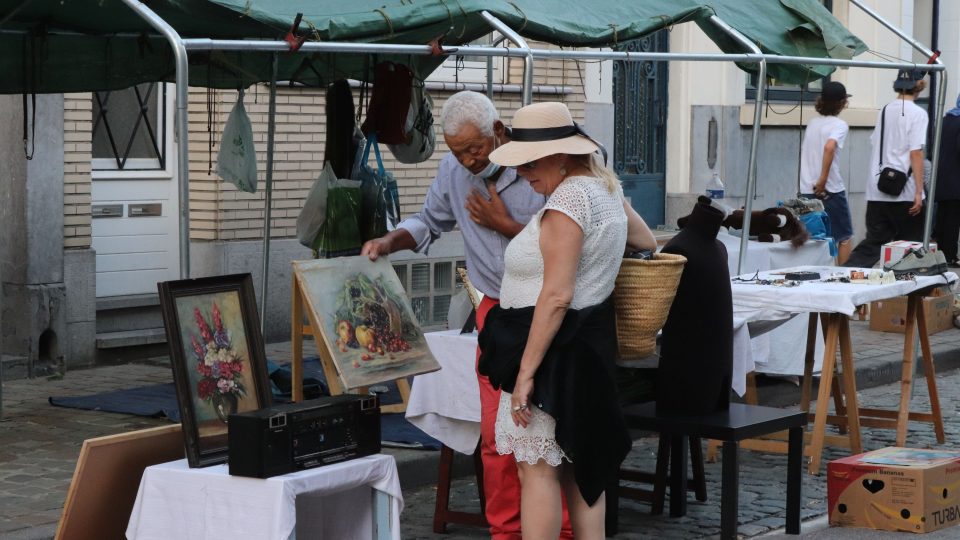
[{"x": 551, "y": 344}]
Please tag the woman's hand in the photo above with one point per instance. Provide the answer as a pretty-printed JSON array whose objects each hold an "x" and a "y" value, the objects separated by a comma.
[{"x": 520, "y": 402}]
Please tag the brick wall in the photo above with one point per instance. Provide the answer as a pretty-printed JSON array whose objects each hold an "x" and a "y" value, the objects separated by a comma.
[
  {"x": 218, "y": 211},
  {"x": 77, "y": 146}
]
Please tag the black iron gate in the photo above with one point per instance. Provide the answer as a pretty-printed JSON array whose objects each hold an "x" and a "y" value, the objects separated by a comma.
[{"x": 640, "y": 127}]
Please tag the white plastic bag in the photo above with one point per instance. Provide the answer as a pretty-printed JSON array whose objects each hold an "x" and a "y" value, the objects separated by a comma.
[{"x": 237, "y": 159}]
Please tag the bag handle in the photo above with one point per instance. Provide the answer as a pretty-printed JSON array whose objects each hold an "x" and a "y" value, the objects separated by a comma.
[{"x": 376, "y": 151}]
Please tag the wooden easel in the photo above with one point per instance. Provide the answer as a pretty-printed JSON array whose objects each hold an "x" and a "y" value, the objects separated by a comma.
[{"x": 334, "y": 380}]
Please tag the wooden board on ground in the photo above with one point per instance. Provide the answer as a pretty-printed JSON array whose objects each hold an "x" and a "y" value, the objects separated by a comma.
[{"x": 107, "y": 477}]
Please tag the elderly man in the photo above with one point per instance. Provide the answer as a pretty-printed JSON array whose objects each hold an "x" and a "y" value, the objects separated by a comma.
[{"x": 491, "y": 204}]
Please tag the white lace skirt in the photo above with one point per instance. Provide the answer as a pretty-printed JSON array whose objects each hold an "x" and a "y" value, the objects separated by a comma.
[{"x": 531, "y": 444}]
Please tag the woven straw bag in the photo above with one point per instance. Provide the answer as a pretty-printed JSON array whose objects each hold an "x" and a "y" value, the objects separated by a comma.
[{"x": 642, "y": 298}]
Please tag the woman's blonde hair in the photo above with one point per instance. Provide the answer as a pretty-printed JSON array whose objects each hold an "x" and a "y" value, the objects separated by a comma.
[{"x": 594, "y": 164}]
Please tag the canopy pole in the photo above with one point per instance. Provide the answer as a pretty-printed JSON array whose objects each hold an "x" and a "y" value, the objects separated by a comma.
[
  {"x": 500, "y": 26},
  {"x": 937, "y": 114},
  {"x": 268, "y": 193},
  {"x": 754, "y": 139},
  {"x": 490, "y": 69},
  {"x": 180, "y": 123}
]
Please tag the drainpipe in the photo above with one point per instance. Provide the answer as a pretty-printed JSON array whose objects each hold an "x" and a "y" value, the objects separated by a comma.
[
  {"x": 180, "y": 123},
  {"x": 500, "y": 26},
  {"x": 754, "y": 139}
]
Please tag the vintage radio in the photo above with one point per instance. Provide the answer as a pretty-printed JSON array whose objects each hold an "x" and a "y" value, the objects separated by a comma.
[{"x": 295, "y": 436}]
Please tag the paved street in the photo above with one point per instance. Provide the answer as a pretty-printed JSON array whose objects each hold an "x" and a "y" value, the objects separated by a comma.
[
  {"x": 39, "y": 445},
  {"x": 762, "y": 482}
]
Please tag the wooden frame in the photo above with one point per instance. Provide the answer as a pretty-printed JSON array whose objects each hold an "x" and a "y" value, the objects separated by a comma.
[
  {"x": 351, "y": 362},
  {"x": 107, "y": 477},
  {"x": 217, "y": 356}
]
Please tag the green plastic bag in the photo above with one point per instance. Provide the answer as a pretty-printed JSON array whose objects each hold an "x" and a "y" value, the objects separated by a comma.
[
  {"x": 329, "y": 220},
  {"x": 237, "y": 158}
]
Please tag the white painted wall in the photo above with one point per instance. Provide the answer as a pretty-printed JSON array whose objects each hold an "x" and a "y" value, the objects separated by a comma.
[{"x": 695, "y": 83}]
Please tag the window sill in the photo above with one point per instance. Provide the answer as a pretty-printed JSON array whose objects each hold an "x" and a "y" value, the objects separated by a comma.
[{"x": 856, "y": 118}]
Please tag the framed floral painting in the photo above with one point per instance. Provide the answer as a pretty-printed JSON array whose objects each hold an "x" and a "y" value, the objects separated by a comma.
[
  {"x": 218, "y": 359},
  {"x": 366, "y": 325}
]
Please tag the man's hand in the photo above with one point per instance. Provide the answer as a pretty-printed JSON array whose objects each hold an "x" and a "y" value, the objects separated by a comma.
[
  {"x": 376, "y": 247},
  {"x": 917, "y": 205},
  {"x": 820, "y": 189},
  {"x": 492, "y": 213}
]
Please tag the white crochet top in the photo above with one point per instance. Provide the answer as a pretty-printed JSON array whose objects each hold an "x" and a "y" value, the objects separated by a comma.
[{"x": 600, "y": 214}]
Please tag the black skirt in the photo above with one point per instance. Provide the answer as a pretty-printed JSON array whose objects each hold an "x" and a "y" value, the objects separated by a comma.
[{"x": 575, "y": 384}]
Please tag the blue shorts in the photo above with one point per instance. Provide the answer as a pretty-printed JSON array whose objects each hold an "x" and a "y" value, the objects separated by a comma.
[{"x": 837, "y": 208}]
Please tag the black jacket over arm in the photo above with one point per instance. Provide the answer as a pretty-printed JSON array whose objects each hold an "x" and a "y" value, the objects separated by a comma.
[{"x": 575, "y": 384}]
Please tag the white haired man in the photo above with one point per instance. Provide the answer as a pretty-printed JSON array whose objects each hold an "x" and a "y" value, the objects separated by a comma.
[{"x": 491, "y": 204}]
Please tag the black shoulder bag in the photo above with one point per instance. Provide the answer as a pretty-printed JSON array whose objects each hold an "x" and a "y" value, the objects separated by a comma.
[{"x": 891, "y": 180}]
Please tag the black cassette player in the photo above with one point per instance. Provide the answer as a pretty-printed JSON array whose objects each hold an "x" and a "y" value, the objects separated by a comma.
[{"x": 285, "y": 438}]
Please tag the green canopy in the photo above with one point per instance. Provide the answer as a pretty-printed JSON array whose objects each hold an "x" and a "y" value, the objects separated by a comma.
[{"x": 84, "y": 45}]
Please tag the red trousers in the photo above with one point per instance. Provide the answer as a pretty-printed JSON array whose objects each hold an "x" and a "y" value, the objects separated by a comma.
[{"x": 501, "y": 485}]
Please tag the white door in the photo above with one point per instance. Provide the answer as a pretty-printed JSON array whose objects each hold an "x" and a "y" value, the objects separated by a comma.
[{"x": 134, "y": 194}]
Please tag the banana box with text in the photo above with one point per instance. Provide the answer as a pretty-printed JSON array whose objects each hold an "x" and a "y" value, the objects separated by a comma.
[{"x": 895, "y": 489}]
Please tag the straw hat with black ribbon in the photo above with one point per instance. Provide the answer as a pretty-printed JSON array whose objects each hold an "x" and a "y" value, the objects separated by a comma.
[{"x": 544, "y": 129}]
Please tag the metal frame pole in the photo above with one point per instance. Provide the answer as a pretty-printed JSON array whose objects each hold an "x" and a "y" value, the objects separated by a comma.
[
  {"x": 500, "y": 26},
  {"x": 180, "y": 125},
  {"x": 268, "y": 191},
  {"x": 754, "y": 139}
]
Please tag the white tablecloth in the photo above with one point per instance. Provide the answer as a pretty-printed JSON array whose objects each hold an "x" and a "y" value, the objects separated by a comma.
[
  {"x": 775, "y": 349},
  {"x": 759, "y": 305},
  {"x": 353, "y": 500},
  {"x": 445, "y": 404}
]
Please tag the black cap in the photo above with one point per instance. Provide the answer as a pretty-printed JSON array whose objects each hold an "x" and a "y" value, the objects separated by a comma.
[
  {"x": 907, "y": 79},
  {"x": 834, "y": 91}
]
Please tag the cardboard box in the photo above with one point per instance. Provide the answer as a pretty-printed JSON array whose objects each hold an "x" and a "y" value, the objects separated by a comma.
[
  {"x": 895, "y": 489},
  {"x": 891, "y": 315},
  {"x": 894, "y": 251}
]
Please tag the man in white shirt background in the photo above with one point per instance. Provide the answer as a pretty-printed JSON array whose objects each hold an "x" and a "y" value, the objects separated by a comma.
[
  {"x": 820, "y": 164},
  {"x": 895, "y": 217}
]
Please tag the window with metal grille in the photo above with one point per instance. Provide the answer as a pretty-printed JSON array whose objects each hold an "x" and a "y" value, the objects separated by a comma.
[
  {"x": 430, "y": 285},
  {"x": 130, "y": 128}
]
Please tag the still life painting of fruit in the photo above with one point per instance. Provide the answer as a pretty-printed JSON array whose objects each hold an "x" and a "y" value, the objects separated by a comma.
[{"x": 366, "y": 320}]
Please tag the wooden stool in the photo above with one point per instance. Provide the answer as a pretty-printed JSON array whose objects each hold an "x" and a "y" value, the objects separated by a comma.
[
  {"x": 740, "y": 422},
  {"x": 442, "y": 515}
]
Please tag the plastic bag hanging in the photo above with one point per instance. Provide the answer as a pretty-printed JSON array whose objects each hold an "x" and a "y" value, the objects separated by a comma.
[{"x": 237, "y": 158}]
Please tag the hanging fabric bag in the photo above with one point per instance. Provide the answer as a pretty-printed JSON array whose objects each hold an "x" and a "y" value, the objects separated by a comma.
[{"x": 237, "y": 158}]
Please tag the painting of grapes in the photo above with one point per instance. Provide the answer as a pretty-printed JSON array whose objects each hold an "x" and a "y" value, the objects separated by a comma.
[{"x": 366, "y": 321}]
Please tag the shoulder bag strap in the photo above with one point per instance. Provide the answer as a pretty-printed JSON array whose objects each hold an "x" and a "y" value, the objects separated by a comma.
[{"x": 883, "y": 121}]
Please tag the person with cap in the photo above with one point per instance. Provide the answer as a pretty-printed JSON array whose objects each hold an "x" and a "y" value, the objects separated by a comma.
[
  {"x": 490, "y": 204},
  {"x": 820, "y": 164},
  {"x": 897, "y": 149},
  {"x": 947, "y": 194},
  {"x": 559, "y": 415}
]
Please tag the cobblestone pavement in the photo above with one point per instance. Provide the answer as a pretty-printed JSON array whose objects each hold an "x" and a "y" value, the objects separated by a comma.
[
  {"x": 39, "y": 445},
  {"x": 762, "y": 481}
]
